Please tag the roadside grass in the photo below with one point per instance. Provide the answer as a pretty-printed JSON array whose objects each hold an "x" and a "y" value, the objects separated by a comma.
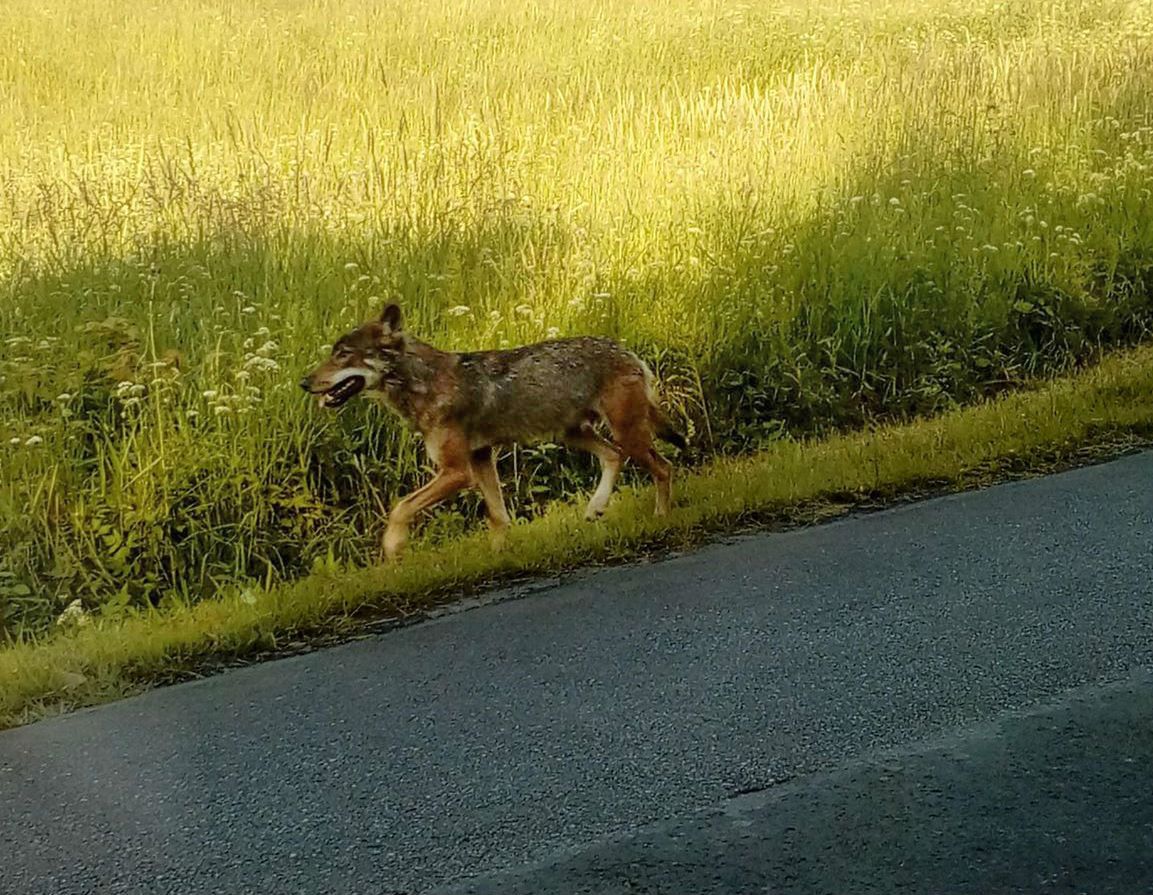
[{"x": 1110, "y": 403}]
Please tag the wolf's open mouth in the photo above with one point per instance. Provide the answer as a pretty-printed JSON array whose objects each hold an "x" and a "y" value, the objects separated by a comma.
[{"x": 340, "y": 393}]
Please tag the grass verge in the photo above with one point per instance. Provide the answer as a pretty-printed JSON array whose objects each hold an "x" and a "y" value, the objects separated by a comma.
[{"x": 1108, "y": 404}]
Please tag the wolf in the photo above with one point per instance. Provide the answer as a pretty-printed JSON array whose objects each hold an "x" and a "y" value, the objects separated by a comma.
[{"x": 466, "y": 405}]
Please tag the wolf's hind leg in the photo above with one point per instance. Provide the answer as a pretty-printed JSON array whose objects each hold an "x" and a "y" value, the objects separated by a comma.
[
  {"x": 662, "y": 473},
  {"x": 585, "y": 438},
  {"x": 626, "y": 406}
]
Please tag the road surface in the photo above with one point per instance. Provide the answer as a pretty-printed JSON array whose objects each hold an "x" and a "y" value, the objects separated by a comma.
[{"x": 953, "y": 696}]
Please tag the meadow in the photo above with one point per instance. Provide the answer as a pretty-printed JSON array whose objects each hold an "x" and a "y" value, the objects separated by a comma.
[{"x": 809, "y": 217}]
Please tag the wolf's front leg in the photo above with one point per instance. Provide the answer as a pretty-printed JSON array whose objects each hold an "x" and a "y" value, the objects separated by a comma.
[
  {"x": 485, "y": 475},
  {"x": 448, "y": 481}
]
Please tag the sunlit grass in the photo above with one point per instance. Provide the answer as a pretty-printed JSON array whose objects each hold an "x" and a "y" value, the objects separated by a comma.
[{"x": 808, "y": 216}]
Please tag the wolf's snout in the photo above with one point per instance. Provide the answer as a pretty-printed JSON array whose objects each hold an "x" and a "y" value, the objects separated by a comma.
[{"x": 306, "y": 383}]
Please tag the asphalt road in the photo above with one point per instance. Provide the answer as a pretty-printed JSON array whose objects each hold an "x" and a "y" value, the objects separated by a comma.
[{"x": 954, "y": 696}]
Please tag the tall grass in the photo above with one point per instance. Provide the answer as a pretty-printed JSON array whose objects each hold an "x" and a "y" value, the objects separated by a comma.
[{"x": 806, "y": 215}]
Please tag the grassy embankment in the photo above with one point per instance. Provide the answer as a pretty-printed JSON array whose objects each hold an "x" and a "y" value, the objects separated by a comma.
[{"x": 1106, "y": 406}]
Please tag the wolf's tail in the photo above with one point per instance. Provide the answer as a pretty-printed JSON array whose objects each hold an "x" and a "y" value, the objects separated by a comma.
[
  {"x": 662, "y": 425},
  {"x": 665, "y": 430}
]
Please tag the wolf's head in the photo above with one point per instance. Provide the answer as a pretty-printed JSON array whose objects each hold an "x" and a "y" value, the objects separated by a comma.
[{"x": 365, "y": 358}]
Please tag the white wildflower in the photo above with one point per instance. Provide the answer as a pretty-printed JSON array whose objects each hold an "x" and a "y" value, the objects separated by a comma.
[
  {"x": 74, "y": 615},
  {"x": 458, "y": 311},
  {"x": 262, "y": 364}
]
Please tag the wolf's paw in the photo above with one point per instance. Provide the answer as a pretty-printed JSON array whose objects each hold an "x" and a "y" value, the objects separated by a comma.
[{"x": 394, "y": 544}]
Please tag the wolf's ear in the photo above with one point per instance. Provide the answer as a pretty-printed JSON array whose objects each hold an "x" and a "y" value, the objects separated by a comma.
[{"x": 391, "y": 319}]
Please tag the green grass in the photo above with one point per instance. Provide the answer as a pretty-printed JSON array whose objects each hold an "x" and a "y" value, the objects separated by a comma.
[
  {"x": 108, "y": 657},
  {"x": 808, "y": 216}
]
